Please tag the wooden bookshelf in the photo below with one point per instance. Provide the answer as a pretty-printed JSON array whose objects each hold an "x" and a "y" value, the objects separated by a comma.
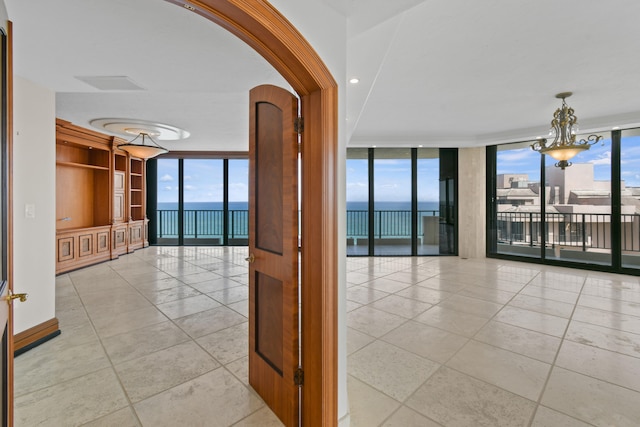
[{"x": 100, "y": 198}]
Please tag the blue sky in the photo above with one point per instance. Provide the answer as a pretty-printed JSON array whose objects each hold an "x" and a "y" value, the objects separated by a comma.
[
  {"x": 525, "y": 160},
  {"x": 203, "y": 178}
]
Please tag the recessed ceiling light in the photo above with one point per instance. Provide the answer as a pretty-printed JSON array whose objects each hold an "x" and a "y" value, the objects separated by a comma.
[
  {"x": 373, "y": 146},
  {"x": 354, "y": 80},
  {"x": 419, "y": 146},
  {"x": 615, "y": 128}
]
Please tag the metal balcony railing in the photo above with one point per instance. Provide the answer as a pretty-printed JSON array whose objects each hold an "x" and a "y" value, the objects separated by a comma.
[
  {"x": 203, "y": 224},
  {"x": 579, "y": 230}
]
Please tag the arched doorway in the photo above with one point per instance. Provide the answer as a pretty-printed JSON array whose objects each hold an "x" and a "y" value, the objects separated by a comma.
[{"x": 269, "y": 33}]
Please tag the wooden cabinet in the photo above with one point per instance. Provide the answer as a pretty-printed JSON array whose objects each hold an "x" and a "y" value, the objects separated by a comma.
[{"x": 100, "y": 198}]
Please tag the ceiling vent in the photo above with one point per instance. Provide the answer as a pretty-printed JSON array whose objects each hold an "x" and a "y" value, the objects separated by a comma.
[{"x": 110, "y": 82}]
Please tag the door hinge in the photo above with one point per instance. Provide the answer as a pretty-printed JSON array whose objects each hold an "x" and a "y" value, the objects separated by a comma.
[
  {"x": 298, "y": 377},
  {"x": 298, "y": 125}
]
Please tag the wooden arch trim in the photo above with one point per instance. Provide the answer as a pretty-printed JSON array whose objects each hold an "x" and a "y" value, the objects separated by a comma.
[{"x": 269, "y": 33}]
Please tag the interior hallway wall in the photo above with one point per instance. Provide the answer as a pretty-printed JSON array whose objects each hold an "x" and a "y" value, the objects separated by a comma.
[{"x": 34, "y": 185}]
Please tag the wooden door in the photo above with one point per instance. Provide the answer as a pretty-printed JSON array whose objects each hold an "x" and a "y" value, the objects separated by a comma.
[
  {"x": 6, "y": 259},
  {"x": 273, "y": 249}
]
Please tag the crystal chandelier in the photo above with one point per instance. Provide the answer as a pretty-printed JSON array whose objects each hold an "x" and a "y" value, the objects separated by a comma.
[{"x": 564, "y": 128}]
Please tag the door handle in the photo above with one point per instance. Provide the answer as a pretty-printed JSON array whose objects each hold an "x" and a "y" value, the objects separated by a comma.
[
  {"x": 251, "y": 258},
  {"x": 11, "y": 296}
]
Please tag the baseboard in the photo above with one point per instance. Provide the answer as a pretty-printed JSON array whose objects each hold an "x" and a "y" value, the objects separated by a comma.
[{"x": 35, "y": 336}]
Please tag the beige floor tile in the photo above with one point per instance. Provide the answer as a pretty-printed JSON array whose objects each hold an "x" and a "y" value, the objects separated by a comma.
[
  {"x": 111, "y": 303},
  {"x": 214, "y": 285},
  {"x": 591, "y": 400},
  {"x": 569, "y": 282},
  {"x": 205, "y": 276},
  {"x": 373, "y": 322},
  {"x": 454, "y": 399},
  {"x": 356, "y": 340},
  {"x": 540, "y": 322},
  {"x": 390, "y": 369},
  {"x": 210, "y": 321},
  {"x": 240, "y": 369},
  {"x": 261, "y": 418},
  {"x": 546, "y": 417},
  {"x": 411, "y": 276},
  {"x": 385, "y": 284},
  {"x": 186, "y": 306},
  {"x": 401, "y": 306},
  {"x": 518, "y": 340},
  {"x": 605, "y": 365},
  {"x": 510, "y": 371},
  {"x": 107, "y": 325},
  {"x": 426, "y": 341},
  {"x": 71, "y": 402},
  {"x": 440, "y": 284},
  {"x": 453, "y": 321},
  {"x": 231, "y": 295},
  {"x": 241, "y": 307},
  {"x": 228, "y": 344},
  {"x": 550, "y": 294},
  {"x": 156, "y": 285},
  {"x": 364, "y": 295},
  {"x": 615, "y": 305},
  {"x": 608, "y": 319},
  {"x": 156, "y": 372},
  {"x": 469, "y": 305},
  {"x": 605, "y": 338},
  {"x": 168, "y": 295},
  {"x": 428, "y": 295},
  {"x": 215, "y": 398},
  {"x": 352, "y": 305},
  {"x": 555, "y": 308},
  {"x": 45, "y": 368},
  {"x": 356, "y": 278},
  {"x": 405, "y": 417},
  {"x": 121, "y": 418},
  {"x": 368, "y": 407},
  {"x": 143, "y": 341},
  {"x": 487, "y": 294}
]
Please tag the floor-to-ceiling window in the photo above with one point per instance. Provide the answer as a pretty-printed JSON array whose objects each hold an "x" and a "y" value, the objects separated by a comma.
[
  {"x": 630, "y": 198},
  {"x": 392, "y": 201},
  {"x": 167, "y": 191},
  {"x": 401, "y": 201},
  {"x": 203, "y": 201},
  {"x": 238, "y": 202},
  {"x": 428, "y": 195},
  {"x": 585, "y": 214},
  {"x": 357, "y": 196},
  {"x": 198, "y": 201}
]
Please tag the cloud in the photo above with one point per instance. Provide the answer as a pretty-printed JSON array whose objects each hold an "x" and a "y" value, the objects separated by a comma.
[
  {"x": 603, "y": 159},
  {"x": 166, "y": 178},
  {"x": 189, "y": 188},
  {"x": 187, "y": 177},
  {"x": 168, "y": 188}
]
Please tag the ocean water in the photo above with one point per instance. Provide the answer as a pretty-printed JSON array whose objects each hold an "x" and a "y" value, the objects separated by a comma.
[{"x": 391, "y": 219}]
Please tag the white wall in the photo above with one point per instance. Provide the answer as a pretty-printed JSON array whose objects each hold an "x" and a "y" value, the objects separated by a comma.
[
  {"x": 472, "y": 189},
  {"x": 34, "y": 171}
]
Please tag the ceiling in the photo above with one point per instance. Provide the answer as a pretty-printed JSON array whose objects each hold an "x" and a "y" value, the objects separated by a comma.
[{"x": 432, "y": 72}]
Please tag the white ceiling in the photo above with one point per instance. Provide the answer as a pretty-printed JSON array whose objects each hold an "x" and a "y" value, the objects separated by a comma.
[{"x": 432, "y": 72}]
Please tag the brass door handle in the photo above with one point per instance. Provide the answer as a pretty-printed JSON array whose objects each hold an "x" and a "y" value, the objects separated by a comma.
[
  {"x": 11, "y": 296},
  {"x": 250, "y": 258}
]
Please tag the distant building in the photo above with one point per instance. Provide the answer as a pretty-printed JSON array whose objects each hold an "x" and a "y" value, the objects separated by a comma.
[{"x": 578, "y": 210}]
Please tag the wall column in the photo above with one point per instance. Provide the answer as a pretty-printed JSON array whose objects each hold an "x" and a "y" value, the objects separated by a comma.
[{"x": 472, "y": 192}]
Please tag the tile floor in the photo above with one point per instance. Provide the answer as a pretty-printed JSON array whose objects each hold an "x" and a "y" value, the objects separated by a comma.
[{"x": 158, "y": 338}]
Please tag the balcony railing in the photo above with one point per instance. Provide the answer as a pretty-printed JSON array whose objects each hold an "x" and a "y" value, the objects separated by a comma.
[
  {"x": 582, "y": 231},
  {"x": 203, "y": 224},
  {"x": 386, "y": 224}
]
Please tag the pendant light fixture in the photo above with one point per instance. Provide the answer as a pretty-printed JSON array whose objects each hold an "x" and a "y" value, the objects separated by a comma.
[
  {"x": 144, "y": 149},
  {"x": 564, "y": 128}
]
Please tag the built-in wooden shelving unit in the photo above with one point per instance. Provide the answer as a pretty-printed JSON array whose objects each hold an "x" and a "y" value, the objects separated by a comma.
[{"x": 100, "y": 198}]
